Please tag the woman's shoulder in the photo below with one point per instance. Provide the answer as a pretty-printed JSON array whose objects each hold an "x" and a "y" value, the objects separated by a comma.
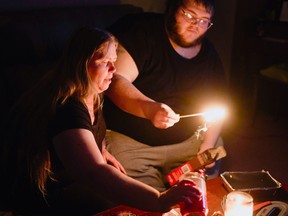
[
  {"x": 69, "y": 104},
  {"x": 71, "y": 114},
  {"x": 69, "y": 111}
]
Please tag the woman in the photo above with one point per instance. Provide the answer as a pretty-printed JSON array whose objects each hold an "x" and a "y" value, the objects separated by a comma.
[{"x": 54, "y": 156}]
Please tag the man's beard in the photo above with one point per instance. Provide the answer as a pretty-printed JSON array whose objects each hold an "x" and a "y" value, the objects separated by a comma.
[{"x": 178, "y": 39}]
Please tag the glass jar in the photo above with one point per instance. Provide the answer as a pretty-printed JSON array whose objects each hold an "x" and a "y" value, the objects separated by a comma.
[
  {"x": 238, "y": 203},
  {"x": 197, "y": 207}
]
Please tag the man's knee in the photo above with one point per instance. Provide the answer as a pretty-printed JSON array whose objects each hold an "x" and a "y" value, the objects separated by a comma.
[{"x": 219, "y": 142}]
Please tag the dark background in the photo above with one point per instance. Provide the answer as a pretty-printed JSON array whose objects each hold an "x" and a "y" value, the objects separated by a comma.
[
  {"x": 248, "y": 36},
  {"x": 240, "y": 32}
]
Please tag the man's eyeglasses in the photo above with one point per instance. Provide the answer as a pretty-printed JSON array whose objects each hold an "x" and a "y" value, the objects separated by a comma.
[{"x": 205, "y": 24}]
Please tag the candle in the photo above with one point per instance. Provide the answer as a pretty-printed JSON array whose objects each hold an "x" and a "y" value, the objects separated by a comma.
[{"x": 238, "y": 203}]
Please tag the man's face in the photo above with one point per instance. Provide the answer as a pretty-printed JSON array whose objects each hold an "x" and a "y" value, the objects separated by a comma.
[{"x": 191, "y": 23}]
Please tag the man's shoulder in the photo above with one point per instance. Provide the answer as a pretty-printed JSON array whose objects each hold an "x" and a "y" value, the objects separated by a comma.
[
  {"x": 136, "y": 19},
  {"x": 208, "y": 45},
  {"x": 143, "y": 16},
  {"x": 207, "y": 42}
]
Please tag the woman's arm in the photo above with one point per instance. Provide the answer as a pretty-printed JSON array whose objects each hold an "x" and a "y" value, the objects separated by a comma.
[{"x": 81, "y": 157}]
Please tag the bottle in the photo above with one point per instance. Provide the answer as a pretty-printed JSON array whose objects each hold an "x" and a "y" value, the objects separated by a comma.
[{"x": 198, "y": 207}]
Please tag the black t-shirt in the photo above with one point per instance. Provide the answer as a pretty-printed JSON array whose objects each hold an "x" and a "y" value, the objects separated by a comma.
[
  {"x": 186, "y": 85},
  {"x": 19, "y": 192},
  {"x": 73, "y": 114}
]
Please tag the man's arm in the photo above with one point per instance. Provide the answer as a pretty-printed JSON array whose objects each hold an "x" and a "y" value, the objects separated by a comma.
[{"x": 128, "y": 98}]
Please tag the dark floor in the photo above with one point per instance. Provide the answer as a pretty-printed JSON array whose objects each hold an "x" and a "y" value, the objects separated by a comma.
[{"x": 262, "y": 146}]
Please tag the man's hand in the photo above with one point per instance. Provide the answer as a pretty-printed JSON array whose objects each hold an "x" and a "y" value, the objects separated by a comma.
[{"x": 162, "y": 116}]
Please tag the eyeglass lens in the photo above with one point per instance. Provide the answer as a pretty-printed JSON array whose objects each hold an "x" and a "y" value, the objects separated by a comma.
[{"x": 202, "y": 23}]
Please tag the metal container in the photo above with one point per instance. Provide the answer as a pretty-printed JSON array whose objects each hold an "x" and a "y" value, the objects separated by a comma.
[{"x": 260, "y": 184}]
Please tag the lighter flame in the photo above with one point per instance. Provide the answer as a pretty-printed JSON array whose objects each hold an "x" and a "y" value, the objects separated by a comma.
[{"x": 214, "y": 114}]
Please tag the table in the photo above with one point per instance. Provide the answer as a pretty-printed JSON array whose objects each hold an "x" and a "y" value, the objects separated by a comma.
[{"x": 215, "y": 193}]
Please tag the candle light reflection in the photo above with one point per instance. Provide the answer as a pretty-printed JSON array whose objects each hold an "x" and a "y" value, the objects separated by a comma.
[{"x": 238, "y": 203}]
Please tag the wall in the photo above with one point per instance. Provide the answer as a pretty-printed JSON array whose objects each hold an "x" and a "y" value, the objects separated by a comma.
[
  {"x": 221, "y": 33},
  {"x": 147, "y": 5},
  {"x": 31, "y": 4}
]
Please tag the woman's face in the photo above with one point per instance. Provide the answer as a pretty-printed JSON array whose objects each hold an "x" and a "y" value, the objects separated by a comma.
[{"x": 101, "y": 68}]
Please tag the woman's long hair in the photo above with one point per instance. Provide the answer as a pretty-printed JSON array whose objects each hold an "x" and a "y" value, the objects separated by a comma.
[{"x": 26, "y": 142}]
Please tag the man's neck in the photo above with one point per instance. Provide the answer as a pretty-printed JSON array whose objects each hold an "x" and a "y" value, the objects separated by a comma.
[{"x": 186, "y": 52}]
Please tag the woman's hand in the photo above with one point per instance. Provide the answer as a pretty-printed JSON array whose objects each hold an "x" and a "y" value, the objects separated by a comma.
[
  {"x": 178, "y": 194},
  {"x": 110, "y": 159}
]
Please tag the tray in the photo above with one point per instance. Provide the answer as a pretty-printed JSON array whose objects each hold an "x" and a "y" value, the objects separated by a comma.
[{"x": 260, "y": 184}]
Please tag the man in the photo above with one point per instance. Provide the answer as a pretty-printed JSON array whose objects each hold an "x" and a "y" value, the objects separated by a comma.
[{"x": 165, "y": 68}]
